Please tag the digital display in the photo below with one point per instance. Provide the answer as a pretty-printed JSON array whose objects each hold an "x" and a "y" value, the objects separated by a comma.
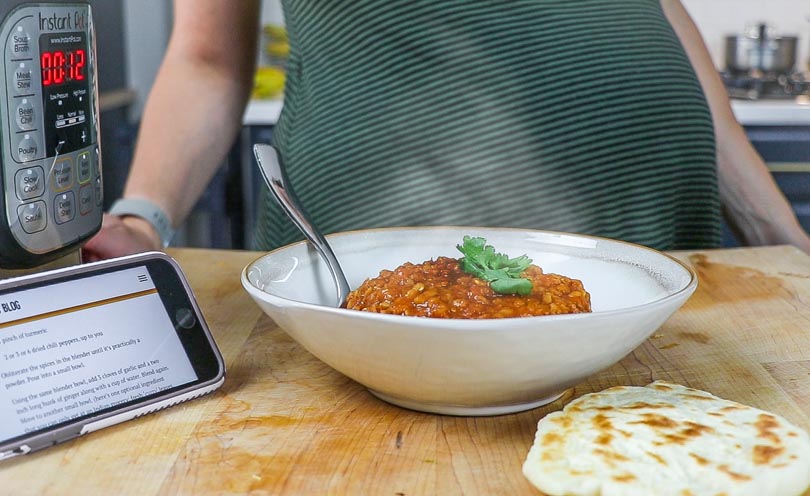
[
  {"x": 65, "y": 71},
  {"x": 60, "y": 67},
  {"x": 75, "y": 348}
]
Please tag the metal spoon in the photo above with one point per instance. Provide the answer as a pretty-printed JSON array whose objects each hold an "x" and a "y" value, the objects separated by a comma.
[{"x": 275, "y": 176}]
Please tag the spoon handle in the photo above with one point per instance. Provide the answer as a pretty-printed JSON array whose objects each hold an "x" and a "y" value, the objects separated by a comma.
[{"x": 276, "y": 178}]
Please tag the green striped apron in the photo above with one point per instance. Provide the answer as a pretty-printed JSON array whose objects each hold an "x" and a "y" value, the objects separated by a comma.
[{"x": 581, "y": 116}]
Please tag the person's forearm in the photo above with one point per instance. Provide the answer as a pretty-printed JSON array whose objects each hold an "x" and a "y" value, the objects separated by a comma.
[
  {"x": 755, "y": 207},
  {"x": 757, "y": 210},
  {"x": 184, "y": 136},
  {"x": 195, "y": 108}
]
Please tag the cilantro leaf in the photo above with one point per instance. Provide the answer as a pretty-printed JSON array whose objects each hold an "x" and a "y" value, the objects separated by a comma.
[
  {"x": 512, "y": 286},
  {"x": 501, "y": 272}
]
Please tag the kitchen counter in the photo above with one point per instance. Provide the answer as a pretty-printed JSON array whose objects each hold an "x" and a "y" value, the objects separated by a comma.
[
  {"x": 286, "y": 423},
  {"x": 772, "y": 112},
  {"x": 262, "y": 112},
  {"x": 748, "y": 112}
]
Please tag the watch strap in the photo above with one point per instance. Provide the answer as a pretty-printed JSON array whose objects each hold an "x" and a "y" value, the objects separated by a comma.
[{"x": 147, "y": 211}]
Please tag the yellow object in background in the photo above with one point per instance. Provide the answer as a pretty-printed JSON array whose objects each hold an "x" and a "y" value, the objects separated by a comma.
[
  {"x": 277, "y": 49},
  {"x": 275, "y": 52},
  {"x": 274, "y": 32},
  {"x": 275, "y": 45},
  {"x": 268, "y": 82}
]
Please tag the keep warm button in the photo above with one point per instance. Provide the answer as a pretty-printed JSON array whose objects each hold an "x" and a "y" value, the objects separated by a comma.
[
  {"x": 64, "y": 207},
  {"x": 32, "y": 216}
]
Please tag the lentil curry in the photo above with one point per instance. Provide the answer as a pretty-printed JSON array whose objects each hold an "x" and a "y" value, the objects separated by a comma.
[{"x": 440, "y": 288}]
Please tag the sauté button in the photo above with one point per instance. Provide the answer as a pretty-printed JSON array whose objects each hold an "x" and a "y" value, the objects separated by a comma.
[{"x": 32, "y": 216}]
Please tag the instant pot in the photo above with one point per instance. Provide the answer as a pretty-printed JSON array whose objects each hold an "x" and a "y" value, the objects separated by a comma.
[{"x": 49, "y": 133}]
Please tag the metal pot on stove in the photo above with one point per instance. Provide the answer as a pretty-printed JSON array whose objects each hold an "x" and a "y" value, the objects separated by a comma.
[{"x": 760, "y": 50}]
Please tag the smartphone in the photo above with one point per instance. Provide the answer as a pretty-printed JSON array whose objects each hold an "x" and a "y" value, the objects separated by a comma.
[{"x": 89, "y": 346}]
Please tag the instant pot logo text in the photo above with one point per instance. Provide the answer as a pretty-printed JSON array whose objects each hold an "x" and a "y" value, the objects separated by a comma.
[{"x": 63, "y": 22}]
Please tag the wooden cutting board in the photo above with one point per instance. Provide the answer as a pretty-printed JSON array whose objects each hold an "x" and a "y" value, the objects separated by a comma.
[{"x": 285, "y": 423}]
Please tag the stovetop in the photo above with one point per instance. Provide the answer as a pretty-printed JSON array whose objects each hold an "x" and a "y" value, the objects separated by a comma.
[{"x": 766, "y": 86}]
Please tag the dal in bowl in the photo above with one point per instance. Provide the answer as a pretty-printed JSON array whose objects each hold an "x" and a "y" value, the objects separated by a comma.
[{"x": 463, "y": 366}]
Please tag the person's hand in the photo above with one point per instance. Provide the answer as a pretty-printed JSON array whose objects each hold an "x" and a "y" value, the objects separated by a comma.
[{"x": 121, "y": 236}]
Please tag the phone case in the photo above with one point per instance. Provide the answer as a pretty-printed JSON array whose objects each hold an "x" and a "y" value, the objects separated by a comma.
[{"x": 93, "y": 423}]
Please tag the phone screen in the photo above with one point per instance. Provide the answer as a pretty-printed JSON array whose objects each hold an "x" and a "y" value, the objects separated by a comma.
[{"x": 86, "y": 344}]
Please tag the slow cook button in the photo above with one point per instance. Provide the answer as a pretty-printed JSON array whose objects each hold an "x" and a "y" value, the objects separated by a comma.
[
  {"x": 64, "y": 207},
  {"x": 32, "y": 216},
  {"x": 29, "y": 183}
]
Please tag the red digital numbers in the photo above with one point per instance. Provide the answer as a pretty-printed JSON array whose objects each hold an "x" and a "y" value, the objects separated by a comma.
[
  {"x": 46, "y": 61},
  {"x": 76, "y": 65},
  {"x": 62, "y": 67}
]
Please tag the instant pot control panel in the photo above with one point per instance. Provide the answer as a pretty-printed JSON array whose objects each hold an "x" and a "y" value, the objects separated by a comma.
[{"x": 51, "y": 169}]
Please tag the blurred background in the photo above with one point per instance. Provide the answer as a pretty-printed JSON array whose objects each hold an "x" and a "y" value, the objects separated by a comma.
[{"x": 762, "y": 51}]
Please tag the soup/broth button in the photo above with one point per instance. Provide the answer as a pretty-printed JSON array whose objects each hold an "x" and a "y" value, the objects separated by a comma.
[{"x": 19, "y": 42}]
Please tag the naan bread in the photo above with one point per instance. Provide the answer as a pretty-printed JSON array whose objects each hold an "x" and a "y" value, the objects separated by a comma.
[{"x": 665, "y": 439}]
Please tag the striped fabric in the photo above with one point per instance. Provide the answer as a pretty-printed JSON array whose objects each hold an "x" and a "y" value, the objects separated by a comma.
[{"x": 582, "y": 116}]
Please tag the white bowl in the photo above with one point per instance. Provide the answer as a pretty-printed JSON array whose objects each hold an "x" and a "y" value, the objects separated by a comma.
[{"x": 470, "y": 367}]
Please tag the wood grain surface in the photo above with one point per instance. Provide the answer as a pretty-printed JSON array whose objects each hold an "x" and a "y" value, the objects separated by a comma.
[{"x": 285, "y": 423}]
